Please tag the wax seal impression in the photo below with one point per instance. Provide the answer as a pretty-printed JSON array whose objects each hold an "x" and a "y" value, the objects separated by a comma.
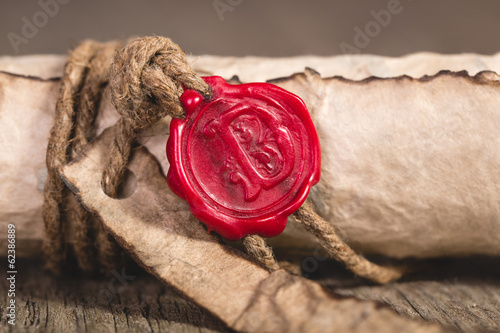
[{"x": 245, "y": 159}]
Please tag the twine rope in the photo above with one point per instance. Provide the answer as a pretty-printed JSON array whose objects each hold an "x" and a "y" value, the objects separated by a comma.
[
  {"x": 340, "y": 251},
  {"x": 54, "y": 207},
  {"x": 88, "y": 231},
  {"x": 147, "y": 79},
  {"x": 257, "y": 247}
]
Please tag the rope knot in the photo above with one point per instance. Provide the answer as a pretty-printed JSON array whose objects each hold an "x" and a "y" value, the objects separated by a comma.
[{"x": 147, "y": 79}]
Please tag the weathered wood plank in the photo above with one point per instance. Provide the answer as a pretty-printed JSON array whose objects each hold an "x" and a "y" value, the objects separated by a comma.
[
  {"x": 138, "y": 303},
  {"x": 463, "y": 295}
]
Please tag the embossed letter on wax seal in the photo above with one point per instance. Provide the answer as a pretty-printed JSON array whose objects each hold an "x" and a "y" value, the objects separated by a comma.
[{"x": 245, "y": 159}]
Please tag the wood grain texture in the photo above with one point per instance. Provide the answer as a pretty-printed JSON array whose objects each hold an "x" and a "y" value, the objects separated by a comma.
[
  {"x": 82, "y": 304},
  {"x": 462, "y": 295},
  {"x": 460, "y": 305}
]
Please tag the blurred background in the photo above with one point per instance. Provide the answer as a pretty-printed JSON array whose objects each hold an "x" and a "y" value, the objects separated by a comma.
[{"x": 257, "y": 27}]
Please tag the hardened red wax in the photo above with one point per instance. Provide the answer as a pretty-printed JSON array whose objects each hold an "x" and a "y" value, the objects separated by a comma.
[{"x": 245, "y": 159}]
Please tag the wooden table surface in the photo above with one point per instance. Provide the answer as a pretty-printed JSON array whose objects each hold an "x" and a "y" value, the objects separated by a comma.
[{"x": 463, "y": 295}]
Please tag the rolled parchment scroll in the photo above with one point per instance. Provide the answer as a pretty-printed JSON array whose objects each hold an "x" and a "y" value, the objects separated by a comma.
[{"x": 410, "y": 165}]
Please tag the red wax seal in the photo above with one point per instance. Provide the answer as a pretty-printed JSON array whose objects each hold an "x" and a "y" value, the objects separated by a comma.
[{"x": 245, "y": 159}]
